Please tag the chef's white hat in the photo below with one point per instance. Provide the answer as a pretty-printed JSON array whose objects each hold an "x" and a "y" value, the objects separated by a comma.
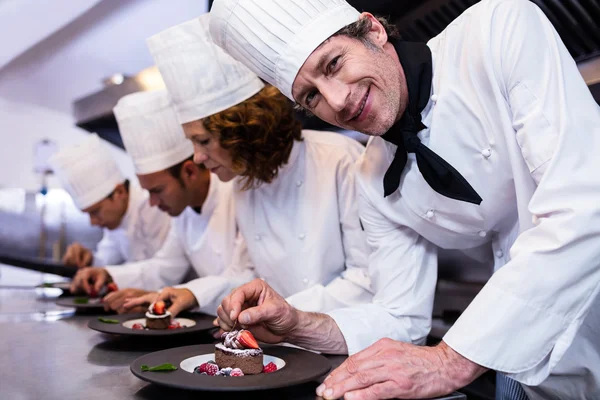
[
  {"x": 87, "y": 171},
  {"x": 151, "y": 133},
  {"x": 275, "y": 37},
  {"x": 200, "y": 77}
]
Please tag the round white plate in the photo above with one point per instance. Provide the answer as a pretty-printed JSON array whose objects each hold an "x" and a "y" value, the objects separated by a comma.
[{"x": 190, "y": 363}]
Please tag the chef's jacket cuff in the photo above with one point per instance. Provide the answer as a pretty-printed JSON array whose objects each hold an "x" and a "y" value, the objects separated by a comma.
[
  {"x": 501, "y": 331},
  {"x": 365, "y": 324}
]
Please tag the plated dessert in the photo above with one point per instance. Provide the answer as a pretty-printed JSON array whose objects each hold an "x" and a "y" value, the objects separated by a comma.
[
  {"x": 157, "y": 317},
  {"x": 239, "y": 354}
]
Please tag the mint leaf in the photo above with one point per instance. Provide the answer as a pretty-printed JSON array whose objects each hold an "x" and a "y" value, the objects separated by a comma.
[
  {"x": 108, "y": 321},
  {"x": 158, "y": 368},
  {"x": 81, "y": 300}
]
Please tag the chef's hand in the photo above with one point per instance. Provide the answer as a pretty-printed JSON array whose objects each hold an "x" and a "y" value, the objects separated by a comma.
[
  {"x": 181, "y": 299},
  {"x": 115, "y": 301},
  {"x": 90, "y": 280},
  {"x": 77, "y": 256},
  {"x": 391, "y": 369},
  {"x": 260, "y": 309}
]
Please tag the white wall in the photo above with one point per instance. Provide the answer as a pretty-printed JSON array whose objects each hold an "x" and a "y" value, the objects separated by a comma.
[
  {"x": 108, "y": 39},
  {"x": 21, "y": 126},
  {"x": 80, "y": 44},
  {"x": 26, "y": 22}
]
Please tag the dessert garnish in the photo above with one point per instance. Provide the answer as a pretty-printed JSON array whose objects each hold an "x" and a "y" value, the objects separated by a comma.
[
  {"x": 159, "y": 368},
  {"x": 108, "y": 321}
]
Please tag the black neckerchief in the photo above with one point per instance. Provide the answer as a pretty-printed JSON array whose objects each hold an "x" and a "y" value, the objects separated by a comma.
[{"x": 415, "y": 59}]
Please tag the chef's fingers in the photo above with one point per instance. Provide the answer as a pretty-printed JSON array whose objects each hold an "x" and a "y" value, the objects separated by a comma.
[
  {"x": 140, "y": 300},
  {"x": 86, "y": 258},
  {"x": 69, "y": 258},
  {"x": 248, "y": 294},
  {"x": 223, "y": 319},
  {"x": 99, "y": 278}
]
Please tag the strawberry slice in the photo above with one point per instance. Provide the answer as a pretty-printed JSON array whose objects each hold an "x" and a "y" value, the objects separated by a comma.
[
  {"x": 111, "y": 287},
  {"x": 270, "y": 367},
  {"x": 247, "y": 340},
  {"x": 174, "y": 325},
  {"x": 159, "y": 308}
]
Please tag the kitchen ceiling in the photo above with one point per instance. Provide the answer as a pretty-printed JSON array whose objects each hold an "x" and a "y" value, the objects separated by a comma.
[{"x": 576, "y": 21}]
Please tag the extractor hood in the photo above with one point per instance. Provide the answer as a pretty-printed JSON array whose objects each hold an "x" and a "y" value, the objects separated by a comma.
[{"x": 94, "y": 112}]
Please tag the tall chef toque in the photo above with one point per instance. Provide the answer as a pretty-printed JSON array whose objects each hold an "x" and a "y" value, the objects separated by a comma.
[
  {"x": 201, "y": 78},
  {"x": 275, "y": 37},
  {"x": 87, "y": 171},
  {"x": 151, "y": 132}
]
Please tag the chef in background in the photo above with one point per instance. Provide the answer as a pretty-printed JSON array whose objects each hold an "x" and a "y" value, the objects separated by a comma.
[
  {"x": 132, "y": 229},
  {"x": 203, "y": 240}
]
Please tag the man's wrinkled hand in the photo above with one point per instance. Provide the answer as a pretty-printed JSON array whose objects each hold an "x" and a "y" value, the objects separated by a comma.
[
  {"x": 260, "y": 309},
  {"x": 391, "y": 369}
]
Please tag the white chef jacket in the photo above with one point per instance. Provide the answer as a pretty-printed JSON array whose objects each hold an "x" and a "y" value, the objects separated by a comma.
[
  {"x": 510, "y": 111},
  {"x": 206, "y": 241},
  {"x": 302, "y": 230},
  {"x": 141, "y": 233}
]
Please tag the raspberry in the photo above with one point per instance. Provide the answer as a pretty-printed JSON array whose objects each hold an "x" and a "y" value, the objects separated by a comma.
[
  {"x": 174, "y": 325},
  {"x": 236, "y": 372},
  {"x": 270, "y": 367},
  {"x": 137, "y": 326},
  {"x": 210, "y": 369}
]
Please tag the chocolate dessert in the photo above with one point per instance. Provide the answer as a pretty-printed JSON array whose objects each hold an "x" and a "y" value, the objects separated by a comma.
[
  {"x": 239, "y": 350},
  {"x": 157, "y": 317}
]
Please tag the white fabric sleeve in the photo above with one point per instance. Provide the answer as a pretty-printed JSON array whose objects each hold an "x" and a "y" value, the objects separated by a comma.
[
  {"x": 107, "y": 251},
  {"x": 167, "y": 268},
  {"x": 403, "y": 271},
  {"x": 209, "y": 291},
  {"x": 527, "y": 315}
]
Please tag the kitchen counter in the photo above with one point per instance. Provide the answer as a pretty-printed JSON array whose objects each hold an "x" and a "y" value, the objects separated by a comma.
[{"x": 48, "y": 352}]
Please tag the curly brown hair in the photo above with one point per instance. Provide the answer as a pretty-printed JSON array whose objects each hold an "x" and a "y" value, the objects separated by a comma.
[{"x": 259, "y": 134}]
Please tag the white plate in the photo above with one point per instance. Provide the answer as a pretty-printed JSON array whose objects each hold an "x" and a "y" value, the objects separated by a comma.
[
  {"x": 185, "y": 323},
  {"x": 189, "y": 364}
]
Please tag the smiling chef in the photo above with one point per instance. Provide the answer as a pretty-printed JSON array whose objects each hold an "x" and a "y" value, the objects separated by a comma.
[{"x": 487, "y": 134}]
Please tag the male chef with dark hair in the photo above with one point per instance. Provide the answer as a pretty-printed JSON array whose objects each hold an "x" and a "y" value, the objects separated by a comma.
[{"x": 133, "y": 229}]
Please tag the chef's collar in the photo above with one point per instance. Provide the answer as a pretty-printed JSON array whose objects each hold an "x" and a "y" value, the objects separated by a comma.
[
  {"x": 134, "y": 195},
  {"x": 416, "y": 62}
]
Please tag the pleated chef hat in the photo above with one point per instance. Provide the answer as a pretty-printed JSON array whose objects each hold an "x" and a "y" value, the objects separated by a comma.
[
  {"x": 200, "y": 77},
  {"x": 275, "y": 37},
  {"x": 151, "y": 132},
  {"x": 87, "y": 171}
]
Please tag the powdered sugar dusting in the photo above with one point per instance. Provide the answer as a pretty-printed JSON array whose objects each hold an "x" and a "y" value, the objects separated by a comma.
[{"x": 239, "y": 352}]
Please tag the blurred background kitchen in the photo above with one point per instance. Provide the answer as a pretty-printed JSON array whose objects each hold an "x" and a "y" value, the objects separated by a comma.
[{"x": 64, "y": 64}]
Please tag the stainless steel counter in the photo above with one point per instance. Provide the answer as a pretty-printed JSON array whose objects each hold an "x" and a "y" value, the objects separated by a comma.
[{"x": 48, "y": 352}]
